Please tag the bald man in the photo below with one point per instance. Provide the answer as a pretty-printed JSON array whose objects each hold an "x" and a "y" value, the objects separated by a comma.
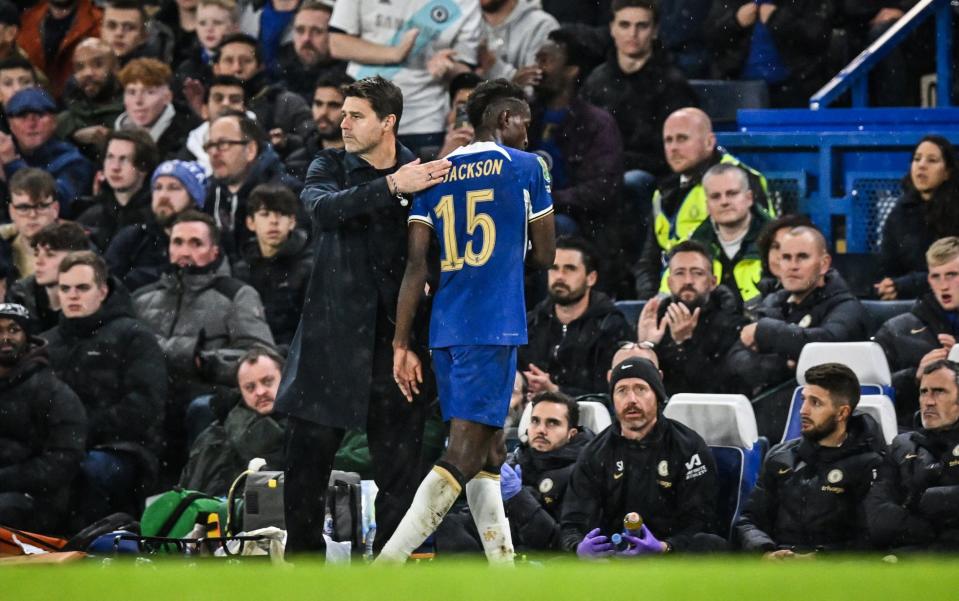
[
  {"x": 95, "y": 102},
  {"x": 814, "y": 305},
  {"x": 679, "y": 204}
]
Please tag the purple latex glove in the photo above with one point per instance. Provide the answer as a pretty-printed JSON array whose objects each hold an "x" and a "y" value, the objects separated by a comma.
[
  {"x": 594, "y": 545},
  {"x": 641, "y": 545},
  {"x": 510, "y": 481}
]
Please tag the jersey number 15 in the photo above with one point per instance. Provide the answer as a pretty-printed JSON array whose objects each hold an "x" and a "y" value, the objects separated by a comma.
[{"x": 446, "y": 211}]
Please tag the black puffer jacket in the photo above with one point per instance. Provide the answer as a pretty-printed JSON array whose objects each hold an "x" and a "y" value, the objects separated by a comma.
[
  {"x": 576, "y": 355},
  {"x": 809, "y": 497},
  {"x": 906, "y": 339},
  {"x": 139, "y": 254},
  {"x": 34, "y": 298},
  {"x": 536, "y": 510},
  {"x": 914, "y": 500},
  {"x": 281, "y": 281},
  {"x": 114, "y": 363},
  {"x": 669, "y": 477},
  {"x": 106, "y": 216},
  {"x": 906, "y": 236},
  {"x": 829, "y": 314},
  {"x": 43, "y": 431},
  {"x": 699, "y": 363}
]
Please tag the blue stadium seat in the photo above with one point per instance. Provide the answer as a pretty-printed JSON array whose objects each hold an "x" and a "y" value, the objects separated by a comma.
[
  {"x": 727, "y": 424},
  {"x": 879, "y": 312},
  {"x": 631, "y": 309},
  {"x": 866, "y": 359}
]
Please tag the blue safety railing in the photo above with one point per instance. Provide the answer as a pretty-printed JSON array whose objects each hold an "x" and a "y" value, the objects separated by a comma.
[{"x": 855, "y": 76}]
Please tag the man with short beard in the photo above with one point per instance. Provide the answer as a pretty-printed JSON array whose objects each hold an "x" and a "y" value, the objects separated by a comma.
[
  {"x": 50, "y": 31},
  {"x": 327, "y": 102},
  {"x": 693, "y": 329},
  {"x": 306, "y": 59},
  {"x": 95, "y": 102},
  {"x": 573, "y": 333},
  {"x": 809, "y": 496}
]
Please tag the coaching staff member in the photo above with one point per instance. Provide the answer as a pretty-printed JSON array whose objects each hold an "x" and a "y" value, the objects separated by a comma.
[{"x": 339, "y": 372}]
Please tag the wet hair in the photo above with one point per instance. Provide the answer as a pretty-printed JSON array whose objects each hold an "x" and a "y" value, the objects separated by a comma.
[
  {"x": 572, "y": 407},
  {"x": 580, "y": 244},
  {"x": 839, "y": 380},
  {"x": 91, "y": 260},
  {"x": 146, "y": 156},
  {"x": 271, "y": 197},
  {"x": 490, "y": 99},
  {"x": 384, "y": 96},
  {"x": 62, "y": 236}
]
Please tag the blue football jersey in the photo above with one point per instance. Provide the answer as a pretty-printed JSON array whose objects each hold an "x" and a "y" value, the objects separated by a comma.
[{"x": 480, "y": 213}]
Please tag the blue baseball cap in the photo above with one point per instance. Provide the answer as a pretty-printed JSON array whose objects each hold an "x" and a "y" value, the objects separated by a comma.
[{"x": 30, "y": 100}]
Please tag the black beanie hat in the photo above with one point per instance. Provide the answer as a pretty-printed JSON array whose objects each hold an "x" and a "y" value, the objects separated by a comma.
[{"x": 637, "y": 367}]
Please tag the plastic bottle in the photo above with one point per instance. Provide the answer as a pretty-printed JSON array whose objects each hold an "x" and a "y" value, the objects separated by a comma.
[{"x": 632, "y": 523}]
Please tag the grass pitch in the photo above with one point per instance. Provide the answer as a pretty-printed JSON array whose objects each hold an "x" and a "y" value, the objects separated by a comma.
[{"x": 749, "y": 579}]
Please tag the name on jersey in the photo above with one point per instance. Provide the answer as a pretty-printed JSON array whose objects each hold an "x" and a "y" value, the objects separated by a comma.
[{"x": 476, "y": 169}]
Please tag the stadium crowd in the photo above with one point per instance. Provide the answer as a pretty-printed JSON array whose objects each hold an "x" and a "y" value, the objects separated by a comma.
[{"x": 162, "y": 206}]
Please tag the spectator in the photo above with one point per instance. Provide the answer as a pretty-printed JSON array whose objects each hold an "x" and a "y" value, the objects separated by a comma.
[
  {"x": 731, "y": 232},
  {"x": 682, "y": 35},
  {"x": 679, "y": 204},
  {"x": 270, "y": 22},
  {"x": 250, "y": 429},
  {"x": 327, "y": 102},
  {"x": 277, "y": 261},
  {"x": 148, "y": 104},
  {"x": 124, "y": 198},
  {"x": 694, "y": 328},
  {"x": 584, "y": 145},
  {"x": 241, "y": 160},
  {"x": 926, "y": 211},
  {"x": 225, "y": 93},
  {"x": 677, "y": 500},
  {"x": 769, "y": 242},
  {"x": 573, "y": 333},
  {"x": 215, "y": 19},
  {"x": 785, "y": 44},
  {"x": 124, "y": 29},
  {"x": 32, "y": 116},
  {"x": 50, "y": 31},
  {"x": 33, "y": 206},
  {"x": 514, "y": 31},
  {"x": 138, "y": 253},
  {"x": 815, "y": 305},
  {"x": 810, "y": 492},
  {"x": 94, "y": 102},
  {"x": 307, "y": 60},
  {"x": 281, "y": 113},
  {"x": 385, "y": 40},
  {"x": 42, "y": 434},
  {"x": 640, "y": 88},
  {"x": 16, "y": 73},
  {"x": 114, "y": 364},
  {"x": 927, "y": 332},
  {"x": 459, "y": 131},
  {"x": 911, "y": 506},
  {"x": 180, "y": 17},
  {"x": 9, "y": 30},
  {"x": 38, "y": 292},
  {"x": 204, "y": 320}
]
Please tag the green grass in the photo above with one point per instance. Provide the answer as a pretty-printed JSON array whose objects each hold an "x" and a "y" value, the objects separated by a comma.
[{"x": 678, "y": 579}]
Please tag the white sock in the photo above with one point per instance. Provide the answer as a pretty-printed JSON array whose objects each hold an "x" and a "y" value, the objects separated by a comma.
[
  {"x": 486, "y": 505},
  {"x": 436, "y": 494}
]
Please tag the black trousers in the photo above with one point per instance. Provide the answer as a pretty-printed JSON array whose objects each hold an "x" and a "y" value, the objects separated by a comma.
[{"x": 394, "y": 429}]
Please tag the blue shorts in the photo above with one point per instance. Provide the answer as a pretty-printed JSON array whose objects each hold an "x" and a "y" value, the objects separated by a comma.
[{"x": 475, "y": 382}]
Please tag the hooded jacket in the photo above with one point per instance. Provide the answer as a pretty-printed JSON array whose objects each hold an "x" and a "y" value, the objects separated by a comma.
[
  {"x": 280, "y": 280},
  {"x": 906, "y": 339},
  {"x": 43, "y": 432},
  {"x": 810, "y": 497},
  {"x": 516, "y": 40},
  {"x": 830, "y": 313},
  {"x": 669, "y": 477},
  {"x": 536, "y": 510},
  {"x": 576, "y": 355},
  {"x": 112, "y": 361},
  {"x": 913, "y": 501}
]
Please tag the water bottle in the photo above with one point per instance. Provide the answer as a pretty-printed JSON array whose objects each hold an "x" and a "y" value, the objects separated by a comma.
[
  {"x": 368, "y": 543},
  {"x": 632, "y": 525}
]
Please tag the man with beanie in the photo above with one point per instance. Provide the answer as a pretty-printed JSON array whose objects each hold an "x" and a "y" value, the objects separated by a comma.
[
  {"x": 645, "y": 463},
  {"x": 138, "y": 253}
]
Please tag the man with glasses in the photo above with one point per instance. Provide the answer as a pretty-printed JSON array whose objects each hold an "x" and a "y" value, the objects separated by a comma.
[
  {"x": 33, "y": 206},
  {"x": 224, "y": 93},
  {"x": 241, "y": 160},
  {"x": 912, "y": 504},
  {"x": 32, "y": 117},
  {"x": 306, "y": 59}
]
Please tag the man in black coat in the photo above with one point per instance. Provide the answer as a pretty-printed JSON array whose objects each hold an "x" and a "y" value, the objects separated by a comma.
[
  {"x": 43, "y": 430},
  {"x": 815, "y": 305},
  {"x": 339, "y": 372},
  {"x": 113, "y": 362},
  {"x": 912, "y": 505},
  {"x": 644, "y": 463},
  {"x": 925, "y": 334},
  {"x": 810, "y": 493},
  {"x": 693, "y": 329},
  {"x": 573, "y": 333}
]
